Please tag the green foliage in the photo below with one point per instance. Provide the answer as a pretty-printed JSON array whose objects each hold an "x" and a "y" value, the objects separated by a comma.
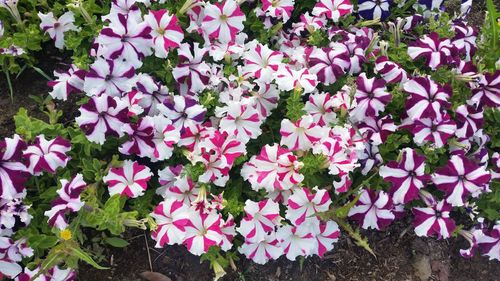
[
  {"x": 441, "y": 25},
  {"x": 295, "y": 105}
]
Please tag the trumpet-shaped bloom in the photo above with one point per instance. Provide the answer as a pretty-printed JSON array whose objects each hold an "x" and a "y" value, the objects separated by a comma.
[
  {"x": 11, "y": 253},
  {"x": 288, "y": 79},
  {"x": 488, "y": 91},
  {"x": 390, "y": 71},
  {"x": 182, "y": 189},
  {"x": 374, "y": 9},
  {"x": 434, "y": 220},
  {"x": 192, "y": 71},
  {"x": 52, "y": 274},
  {"x": 302, "y": 134},
  {"x": 332, "y": 9},
  {"x": 67, "y": 82},
  {"x": 227, "y": 147},
  {"x": 436, "y": 51},
  {"x": 13, "y": 173},
  {"x": 436, "y": 131},
  {"x": 68, "y": 200},
  {"x": 165, "y": 135},
  {"x": 260, "y": 218},
  {"x": 171, "y": 217},
  {"x": 262, "y": 251},
  {"x": 320, "y": 107},
  {"x": 130, "y": 180},
  {"x": 280, "y": 9},
  {"x": 140, "y": 136},
  {"x": 296, "y": 241},
  {"x": 242, "y": 121},
  {"x": 407, "y": 176},
  {"x": 377, "y": 129},
  {"x": 202, "y": 232},
  {"x": 265, "y": 99},
  {"x": 303, "y": 203},
  {"x": 329, "y": 63},
  {"x": 427, "y": 98},
  {"x": 489, "y": 243},
  {"x": 109, "y": 77},
  {"x": 327, "y": 234},
  {"x": 371, "y": 97},
  {"x": 166, "y": 32},
  {"x": 184, "y": 112},
  {"x": 469, "y": 120},
  {"x": 459, "y": 178},
  {"x": 102, "y": 116},
  {"x": 47, "y": 155},
  {"x": 373, "y": 210},
  {"x": 223, "y": 20},
  {"x": 261, "y": 62},
  {"x": 57, "y": 27}
]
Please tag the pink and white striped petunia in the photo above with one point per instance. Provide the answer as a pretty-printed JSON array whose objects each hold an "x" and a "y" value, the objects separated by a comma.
[
  {"x": 289, "y": 79},
  {"x": 68, "y": 200},
  {"x": 304, "y": 203},
  {"x": 13, "y": 173},
  {"x": 202, "y": 232},
  {"x": 109, "y": 77},
  {"x": 47, "y": 155},
  {"x": 461, "y": 177},
  {"x": 302, "y": 134},
  {"x": 329, "y": 63},
  {"x": 57, "y": 27},
  {"x": 67, "y": 82},
  {"x": 332, "y": 9},
  {"x": 320, "y": 107},
  {"x": 228, "y": 228},
  {"x": 261, "y": 62},
  {"x": 407, "y": 176},
  {"x": 102, "y": 116},
  {"x": 373, "y": 210},
  {"x": 436, "y": 51},
  {"x": 427, "y": 98},
  {"x": 275, "y": 168},
  {"x": 280, "y": 9},
  {"x": 488, "y": 90},
  {"x": 390, "y": 71},
  {"x": 242, "y": 121},
  {"x": 223, "y": 20},
  {"x": 437, "y": 130},
  {"x": 262, "y": 251},
  {"x": 265, "y": 99},
  {"x": 182, "y": 189},
  {"x": 192, "y": 71},
  {"x": 227, "y": 147},
  {"x": 371, "y": 97},
  {"x": 341, "y": 160},
  {"x": 260, "y": 218},
  {"x": 434, "y": 220},
  {"x": 328, "y": 233},
  {"x": 165, "y": 135},
  {"x": 296, "y": 241},
  {"x": 166, "y": 32},
  {"x": 171, "y": 217},
  {"x": 130, "y": 180}
]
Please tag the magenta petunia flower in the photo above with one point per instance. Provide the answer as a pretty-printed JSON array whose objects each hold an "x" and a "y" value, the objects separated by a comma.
[
  {"x": 489, "y": 243},
  {"x": 223, "y": 20},
  {"x": 262, "y": 251},
  {"x": 166, "y": 32},
  {"x": 297, "y": 240},
  {"x": 427, "y": 98},
  {"x": 261, "y": 62},
  {"x": 434, "y": 219},
  {"x": 328, "y": 233},
  {"x": 436, "y": 51},
  {"x": 109, "y": 77},
  {"x": 320, "y": 107},
  {"x": 13, "y": 173},
  {"x": 377, "y": 129},
  {"x": 332, "y": 9},
  {"x": 390, "y": 71},
  {"x": 260, "y": 218},
  {"x": 371, "y": 97},
  {"x": 302, "y": 134},
  {"x": 184, "y": 112},
  {"x": 47, "y": 155},
  {"x": 469, "y": 120},
  {"x": 329, "y": 63},
  {"x": 304, "y": 203},
  {"x": 192, "y": 72},
  {"x": 171, "y": 217},
  {"x": 407, "y": 176},
  {"x": 227, "y": 147},
  {"x": 289, "y": 79},
  {"x": 465, "y": 39},
  {"x": 202, "y": 232},
  {"x": 130, "y": 180},
  {"x": 280, "y": 9},
  {"x": 242, "y": 121},
  {"x": 488, "y": 91},
  {"x": 140, "y": 138},
  {"x": 459, "y": 178},
  {"x": 373, "y": 210},
  {"x": 437, "y": 130}
]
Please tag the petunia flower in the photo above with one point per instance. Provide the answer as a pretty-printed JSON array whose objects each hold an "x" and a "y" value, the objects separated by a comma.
[
  {"x": 296, "y": 241},
  {"x": 68, "y": 200},
  {"x": 489, "y": 243},
  {"x": 47, "y": 155},
  {"x": 436, "y": 51},
  {"x": 427, "y": 98},
  {"x": 371, "y": 97},
  {"x": 67, "y": 82},
  {"x": 127, "y": 8},
  {"x": 320, "y": 107},
  {"x": 202, "y": 232},
  {"x": 166, "y": 32},
  {"x": 11, "y": 253},
  {"x": 52, "y": 274},
  {"x": 153, "y": 93},
  {"x": 109, "y": 77},
  {"x": 227, "y": 147},
  {"x": 304, "y": 203},
  {"x": 373, "y": 210},
  {"x": 260, "y": 62},
  {"x": 182, "y": 189},
  {"x": 434, "y": 219},
  {"x": 13, "y": 212},
  {"x": 57, "y": 27},
  {"x": 406, "y": 176},
  {"x": 242, "y": 121},
  {"x": 329, "y": 64},
  {"x": 437, "y": 130},
  {"x": 260, "y": 218},
  {"x": 369, "y": 157},
  {"x": 332, "y": 9},
  {"x": 289, "y": 79},
  {"x": 140, "y": 138},
  {"x": 222, "y": 21},
  {"x": 469, "y": 120},
  {"x": 459, "y": 178},
  {"x": 390, "y": 71},
  {"x": 341, "y": 160},
  {"x": 130, "y": 180},
  {"x": 228, "y": 229},
  {"x": 374, "y": 9},
  {"x": 184, "y": 112},
  {"x": 165, "y": 135},
  {"x": 171, "y": 217},
  {"x": 13, "y": 172},
  {"x": 465, "y": 39},
  {"x": 262, "y": 251},
  {"x": 280, "y": 9},
  {"x": 377, "y": 129},
  {"x": 488, "y": 91},
  {"x": 265, "y": 99},
  {"x": 302, "y": 134},
  {"x": 102, "y": 116},
  {"x": 192, "y": 71}
]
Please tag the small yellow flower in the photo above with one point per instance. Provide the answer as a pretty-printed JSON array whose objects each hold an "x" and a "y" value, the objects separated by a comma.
[{"x": 65, "y": 234}]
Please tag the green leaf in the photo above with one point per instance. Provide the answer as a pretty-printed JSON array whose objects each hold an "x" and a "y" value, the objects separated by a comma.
[
  {"x": 116, "y": 242},
  {"x": 85, "y": 257},
  {"x": 42, "y": 241}
]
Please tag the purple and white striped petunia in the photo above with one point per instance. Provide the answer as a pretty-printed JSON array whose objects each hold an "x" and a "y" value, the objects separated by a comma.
[
  {"x": 202, "y": 232},
  {"x": 390, "y": 71},
  {"x": 461, "y": 177},
  {"x": 67, "y": 82},
  {"x": 434, "y": 219},
  {"x": 437, "y": 130},
  {"x": 465, "y": 39},
  {"x": 109, "y": 77},
  {"x": 427, "y": 98},
  {"x": 57, "y": 27},
  {"x": 374, "y": 9},
  {"x": 130, "y": 180},
  {"x": 371, "y": 97},
  {"x": 223, "y": 20},
  {"x": 102, "y": 116},
  {"x": 488, "y": 91},
  {"x": 11, "y": 254},
  {"x": 329, "y": 63},
  {"x": 261, "y": 62},
  {"x": 436, "y": 51},
  {"x": 262, "y": 251},
  {"x": 377, "y": 129},
  {"x": 183, "y": 111},
  {"x": 68, "y": 200},
  {"x": 489, "y": 243},
  {"x": 469, "y": 120},
  {"x": 166, "y": 32},
  {"x": 407, "y": 176},
  {"x": 140, "y": 138},
  {"x": 171, "y": 217},
  {"x": 332, "y": 9},
  {"x": 192, "y": 71},
  {"x": 302, "y": 134},
  {"x": 47, "y": 155},
  {"x": 242, "y": 121},
  {"x": 13, "y": 173},
  {"x": 373, "y": 210},
  {"x": 260, "y": 218},
  {"x": 304, "y": 203}
]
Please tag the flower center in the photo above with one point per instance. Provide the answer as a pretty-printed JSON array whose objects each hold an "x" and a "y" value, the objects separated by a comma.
[
  {"x": 161, "y": 31},
  {"x": 223, "y": 17}
]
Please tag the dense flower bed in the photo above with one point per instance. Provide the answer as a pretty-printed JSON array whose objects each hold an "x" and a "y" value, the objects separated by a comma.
[{"x": 256, "y": 129}]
